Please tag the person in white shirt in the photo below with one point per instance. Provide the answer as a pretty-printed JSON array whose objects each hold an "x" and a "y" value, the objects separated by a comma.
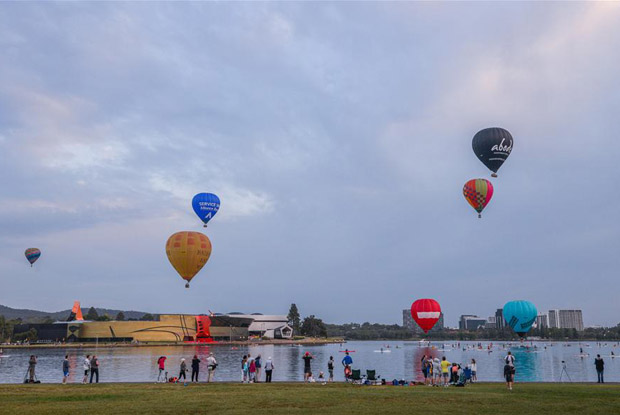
[
  {"x": 211, "y": 366},
  {"x": 268, "y": 369},
  {"x": 473, "y": 368},
  {"x": 510, "y": 359},
  {"x": 86, "y": 368}
]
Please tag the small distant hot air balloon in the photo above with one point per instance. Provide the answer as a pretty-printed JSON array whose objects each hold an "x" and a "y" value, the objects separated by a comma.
[
  {"x": 520, "y": 315},
  {"x": 478, "y": 193},
  {"x": 426, "y": 313},
  {"x": 188, "y": 252},
  {"x": 492, "y": 146},
  {"x": 206, "y": 206},
  {"x": 32, "y": 254}
]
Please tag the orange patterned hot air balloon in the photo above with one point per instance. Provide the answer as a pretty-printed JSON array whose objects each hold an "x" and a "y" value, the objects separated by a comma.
[
  {"x": 188, "y": 252},
  {"x": 478, "y": 193}
]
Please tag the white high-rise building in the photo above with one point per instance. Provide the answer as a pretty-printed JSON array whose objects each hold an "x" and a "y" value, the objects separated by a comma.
[
  {"x": 554, "y": 319},
  {"x": 542, "y": 321},
  {"x": 566, "y": 319},
  {"x": 571, "y": 319}
]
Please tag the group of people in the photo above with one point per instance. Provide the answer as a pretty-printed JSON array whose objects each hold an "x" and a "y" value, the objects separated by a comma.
[
  {"x": 211, "y": 363},
  {"x": 436, "y": 372},
  {"x": 441, "y": 372},
  {"x": 251, "y": 369}
]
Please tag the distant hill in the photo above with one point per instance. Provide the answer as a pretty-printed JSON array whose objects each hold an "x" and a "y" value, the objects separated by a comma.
[{"x": 35, "y": 316}]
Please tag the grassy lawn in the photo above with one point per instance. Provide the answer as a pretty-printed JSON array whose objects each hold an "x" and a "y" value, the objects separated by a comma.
[{"x": 287, "y": 398}]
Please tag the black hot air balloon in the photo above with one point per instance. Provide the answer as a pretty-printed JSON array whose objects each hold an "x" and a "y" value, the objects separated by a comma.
[{"x": 492, "y": 146}]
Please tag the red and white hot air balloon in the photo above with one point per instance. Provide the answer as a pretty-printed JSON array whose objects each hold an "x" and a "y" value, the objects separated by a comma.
[{"x": 425, "y": 312}]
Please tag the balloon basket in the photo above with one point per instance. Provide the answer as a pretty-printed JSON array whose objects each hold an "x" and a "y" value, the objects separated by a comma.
[
  {"x": 479, "y": 216},
  {"x": 204, "y": 226},
  {"x": 187, "y": 285},
  {"x": 493, "y": 174}
]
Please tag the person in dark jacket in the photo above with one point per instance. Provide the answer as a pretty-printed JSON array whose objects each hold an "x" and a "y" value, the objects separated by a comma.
[
  {"x": 65, "y": 369},
  {"x": 31, "y": 368},
  {"x": 195, "y": 368},
  {"x": 600, "y": 366},
  {"x": 94, "y": 369}
]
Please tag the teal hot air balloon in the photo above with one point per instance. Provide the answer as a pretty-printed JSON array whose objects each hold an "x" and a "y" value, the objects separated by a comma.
[{"x": 520, "y": 315}]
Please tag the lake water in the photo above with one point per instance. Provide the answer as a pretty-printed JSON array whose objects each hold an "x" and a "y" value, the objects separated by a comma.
[{"x": 541, "y": 362}]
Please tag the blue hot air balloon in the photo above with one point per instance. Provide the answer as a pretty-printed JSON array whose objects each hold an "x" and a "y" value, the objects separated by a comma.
[
  {"x": 206, "y": 206},
  {"x": 520, "y": 315}
]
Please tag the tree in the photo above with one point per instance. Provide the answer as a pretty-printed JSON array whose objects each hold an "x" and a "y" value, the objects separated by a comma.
[
  {"x": 120, "y": 316},
  {"x": 104, "y": 317},
  {"x": 92, "y": 314},
  {"x": 294, "y": 319},
  {"x": 313, "y": 327},
  {"x": 147, "y": 317}
]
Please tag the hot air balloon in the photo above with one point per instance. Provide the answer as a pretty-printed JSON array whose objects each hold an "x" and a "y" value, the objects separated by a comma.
[
  {"x": 206, "y": 206},
  {"x": 492, "y": 146},
  {"x": 426, "y": 313},
  {"x": 32, "y": 254},
  {"x": 188, "y": 252},
  {"x": 520, "y": 315},
  {"x": 478, "y": 193}
]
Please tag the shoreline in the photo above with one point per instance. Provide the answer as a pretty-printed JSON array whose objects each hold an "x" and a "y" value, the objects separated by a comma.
[{"x": 301, "y": 342}]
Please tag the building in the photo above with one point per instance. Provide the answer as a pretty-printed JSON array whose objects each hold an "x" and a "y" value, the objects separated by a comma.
[
  {"x": 410, "y": 324},
  {"x": 471, "y": 322},
  {"x": 571, "y": 319},
  {"x": 491, "y": 323},
  {"x": 168, "y": 328},
  {"x": 500, "y": 324},
  {"x": 542, "y": 321},
  {"x": 270, "y": 326},
  {"x": 566, "y": 319},
  {"x": 554, "y": 319}
]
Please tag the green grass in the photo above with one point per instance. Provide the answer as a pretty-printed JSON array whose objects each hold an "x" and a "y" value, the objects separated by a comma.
[{"x": 288, "y": 398}]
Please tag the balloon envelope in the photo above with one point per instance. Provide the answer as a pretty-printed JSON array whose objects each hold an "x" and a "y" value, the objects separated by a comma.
[
  {"x": 520, "y": 315},
  {"x": 492, "y": 146},
  {"x": 32, "y": 254},
  {"x": 426, "y": 313},
  {"x": 206, "y": 206},
  {"x": 478, "y": 193},
  {"x": 188, "y": 252}
]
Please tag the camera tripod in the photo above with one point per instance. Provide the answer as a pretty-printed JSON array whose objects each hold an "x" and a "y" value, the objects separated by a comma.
[{"x": 564, "y": 372}]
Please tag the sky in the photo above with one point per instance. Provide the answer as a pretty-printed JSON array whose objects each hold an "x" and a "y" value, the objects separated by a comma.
[{"x": 338, "y": 137}]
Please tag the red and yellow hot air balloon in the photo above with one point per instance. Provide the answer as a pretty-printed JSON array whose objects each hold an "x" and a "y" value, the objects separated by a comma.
[
  {"x": 188, "y": 252},
  {"x": 426, "y": 313},
  {"x": 478, "y": 193}
]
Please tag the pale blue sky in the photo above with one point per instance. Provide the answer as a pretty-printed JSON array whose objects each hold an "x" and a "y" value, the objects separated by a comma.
[{"x": 338, "y": 136}]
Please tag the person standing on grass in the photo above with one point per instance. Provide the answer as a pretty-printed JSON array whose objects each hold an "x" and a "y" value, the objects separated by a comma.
[
  {"x": 86, "y": 368},
  {"x": 268, "y": 370},
  {"x": 32, "y": 363},
  {"x": 65, "y": 369},
  {"x": 474, "y": 370},
  {"x": 252, "y": 370},
  {"x": 211, "y": 366},
  {"x": 509, "y": 374},
  {"x": 258, "y": 363},
  {"x": 436, "y": 372},
  {"x": 330, "y": 368},
  {"x": 94, "y": 369},
  {"x": 445, "y": 370},
  {"x": 307, "y": 369},
  {"x": 347, "y": 361},
  {"x": 182, "y": 371},
  {"x": 600, "y": 366},
  {"x": 161, "y": 364},
  {"x": 195, "y": 368},
  {"x": 244, "y": 369}
]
